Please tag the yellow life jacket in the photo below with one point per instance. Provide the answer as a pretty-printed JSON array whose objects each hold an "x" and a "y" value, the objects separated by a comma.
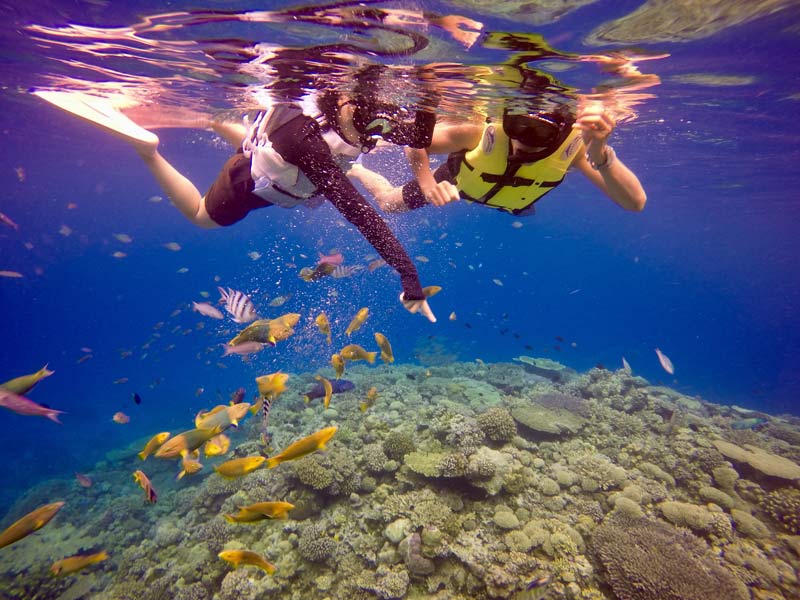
[{"x": 485, "y": 175}]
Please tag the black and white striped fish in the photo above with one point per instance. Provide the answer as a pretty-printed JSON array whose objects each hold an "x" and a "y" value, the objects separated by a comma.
[
  {"x": 346, "y": 271},
  {"x": 239, "y": 305},
  {"x": 265, "y": 419}
]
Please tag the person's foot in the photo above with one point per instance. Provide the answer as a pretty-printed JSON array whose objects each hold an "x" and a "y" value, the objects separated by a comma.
[{"x": 101, "y": 113}]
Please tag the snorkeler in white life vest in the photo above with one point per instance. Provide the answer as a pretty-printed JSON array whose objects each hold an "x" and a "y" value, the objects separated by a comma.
[{"x": 511, "y": 166}]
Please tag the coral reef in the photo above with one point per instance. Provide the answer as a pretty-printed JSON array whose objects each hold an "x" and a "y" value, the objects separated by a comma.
[{"x": 464, "y": 480}]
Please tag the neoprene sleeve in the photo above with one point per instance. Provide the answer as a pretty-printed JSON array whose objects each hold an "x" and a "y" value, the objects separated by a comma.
[{"x": 300, "y": 142}]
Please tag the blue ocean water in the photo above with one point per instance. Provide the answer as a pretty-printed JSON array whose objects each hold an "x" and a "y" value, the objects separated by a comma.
[{"x": 707, "y": 272}]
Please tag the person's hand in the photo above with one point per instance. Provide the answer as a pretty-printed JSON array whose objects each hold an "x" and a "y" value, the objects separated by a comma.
[
  {"x": 440, "y": 193},
  {"x": 418, "y": 306},
  {"x": 595, "y": 125},
  {"x": 464, "y": 30}
]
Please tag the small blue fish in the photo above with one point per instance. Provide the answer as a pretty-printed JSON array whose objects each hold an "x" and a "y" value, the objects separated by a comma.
[{"x": 338, "y": 385}]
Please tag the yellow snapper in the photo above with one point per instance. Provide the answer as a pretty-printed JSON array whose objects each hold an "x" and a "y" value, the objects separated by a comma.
[
  {"x": 65, "y": 566},
  {"x": 303, "y": 447},
  {"x": 337, "y": 362},
  {"x": 245, "y": 557},
  {"x": 324, "y": 325},
  {"x": 386, "y": 348},
  {"x": 357, "y": 321},
  {"x": 34, "y": 520},
  {"x": 267, "y": 331},
  {"x": 25, "y": 383},
  {"x": 188, "y": 441},
  {"x": 155, "y": 442},
  {"x": 273, "y": 385},
  {"x": 239, "y": 466},
  {"x": 260, "y": 511},
  {"x": 356, "y": 352}
]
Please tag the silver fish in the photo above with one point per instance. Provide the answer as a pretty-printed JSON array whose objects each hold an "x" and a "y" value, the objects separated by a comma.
[
  {"x": 243, "y": 349},
  {"x": 666, "y": 363},
  {"x": 205, "y": 309},
  {"x": 6, "y": 220},
  {"x": 239, "y": 305},
  {"x": 346, "y": 271}
]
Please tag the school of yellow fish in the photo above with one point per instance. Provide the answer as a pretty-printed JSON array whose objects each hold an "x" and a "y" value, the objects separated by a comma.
[{"x": 208, "y": 435}]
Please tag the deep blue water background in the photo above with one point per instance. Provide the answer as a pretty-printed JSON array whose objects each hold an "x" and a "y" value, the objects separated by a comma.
[{"x": 708, "y": 272}]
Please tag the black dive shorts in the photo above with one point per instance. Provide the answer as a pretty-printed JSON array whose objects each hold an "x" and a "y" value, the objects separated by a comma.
[{"x": 231, "y": 196}]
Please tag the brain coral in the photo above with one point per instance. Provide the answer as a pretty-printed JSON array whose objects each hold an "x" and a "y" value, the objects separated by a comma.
[
  {"x": 652, "y": 560},
  {"x": 315, "y": 545},
  {"x": 498, "y": 424},
  {"x": 397, "y": 444}
]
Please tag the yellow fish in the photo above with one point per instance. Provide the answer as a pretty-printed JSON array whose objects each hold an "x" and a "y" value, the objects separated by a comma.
[
  {"x": 324, "y": 325},
  {"x": 144, "y": 482},
  {"x": 356, "y": 352},
  {"x": 188, "y": 441},
  {"x": 65, "y": 566},
  {"x": 273, "y": 385},
  {"x": 303, "y": 447},
  {"x": 239, "y": 466},
  {"x": 31, "y": 522},
  {"x": 25, "y": 383},
  {"x": 431, "y": 290},
  {"x": 257, "y": 406},
  {"x": 189, "y": 464},
  {"x": 245, "y": 557},
  {"x": 267, "y": 331},
  {"x": 221, "y": 416},
  {"x": 260, "y": 511},
  {"x": 386, "y": 348},
  {"x": 154, "y": 443},
  {"x": 372, "y": 395},
  {"x": 357, "y": 321},
  {"x": 217, "y": 446},
  {"x": 337, "y": 362},
  {"x": 326, "y": 385}
]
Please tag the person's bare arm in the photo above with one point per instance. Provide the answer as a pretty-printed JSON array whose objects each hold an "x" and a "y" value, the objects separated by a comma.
[
  {"x": 445, "y": 140},
  {"x": 616, "y": 180}
]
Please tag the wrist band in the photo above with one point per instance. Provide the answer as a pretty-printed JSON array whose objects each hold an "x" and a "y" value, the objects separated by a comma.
[{"x": 610, "y": 157}]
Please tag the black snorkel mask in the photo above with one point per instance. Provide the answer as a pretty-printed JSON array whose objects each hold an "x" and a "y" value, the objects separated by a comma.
[{"x": 542, "y": 133}]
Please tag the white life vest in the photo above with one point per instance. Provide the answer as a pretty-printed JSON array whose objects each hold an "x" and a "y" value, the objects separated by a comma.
[{"x": 276, "y": 180}]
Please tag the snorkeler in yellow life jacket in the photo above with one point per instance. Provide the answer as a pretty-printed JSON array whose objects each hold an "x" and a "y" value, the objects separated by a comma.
[
  {"x": 512, "y": 166},
  {"x": 494, "y": 174}
]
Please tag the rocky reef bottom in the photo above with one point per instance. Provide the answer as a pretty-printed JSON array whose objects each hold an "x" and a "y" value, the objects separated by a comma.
[{"x": 465, "y": 481}]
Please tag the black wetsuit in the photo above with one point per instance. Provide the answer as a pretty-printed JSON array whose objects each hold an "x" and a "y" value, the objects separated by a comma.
[{"x": 299, "y": 141}]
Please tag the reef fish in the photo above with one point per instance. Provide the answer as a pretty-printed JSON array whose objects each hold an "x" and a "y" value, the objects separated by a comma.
[
  {"x": 29, "y": 408},
  {"x": 144, "y": 482},
  {"x": 273, "y": 385},
  {"x": 303, "y": 447},
  {"x": 356, "y": 352},
  {"x": 31, "y": 522},
  {"x": 626, "y": 367},
  {"x": 666, "y": 363},
  {"x": 25, "y": 383},
  {"x": 260, "y": 511},
  {"x": 121, "y": 418},
  {"x": 750, "y": 423},
  {"x": 239, "y": 466},
  {"x": 238, "y": 304},
  {"x": 72, "y": 564},
  {"x": 369, "y": 401},
  {"x": 342, "y": 271},
  {"x": 6, "y": 220},
  {"x": 221, "y": 416},
  {"x": 217, "y": 446},
  {"x": 267, "y": 331},
  {"x": 321, "y": 270},
  {"x": 207, "y": 310},
  {"x": 83, "y": 480},
  {"x": 245, "y": 557},
  {"x": 337, "y": 362},
  {"x": 153, "y": 444},
  {"x": 189, "y": 464},
  {"x": 386, "y": 348},
  {"x": 323, "y": 325},
  {"x": 358, "y": 321},
  {"x": 188, "y": 441},
  {"x": 334, "y": 258},
  {"x": 337, "y": 387}
]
